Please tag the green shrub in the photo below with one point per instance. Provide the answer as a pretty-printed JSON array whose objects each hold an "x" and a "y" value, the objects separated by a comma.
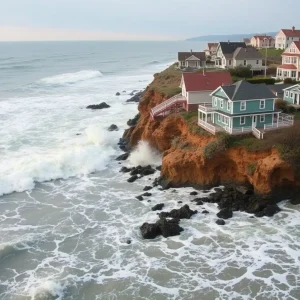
[
  {"x": 261, "y": 80},
  {"x": 241, "y": 71},
  {"x": 213, "y": 148},
  {"x": 251, "y": 168},
  {"x": 284, "y": 106},
  {"x": 288, "y": 81}
]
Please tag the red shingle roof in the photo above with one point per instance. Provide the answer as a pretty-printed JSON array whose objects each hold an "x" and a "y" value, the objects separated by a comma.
[
  {"x": 195, "y": 82},
  {"x": 288, "y": 67},
  {"x": 291, "y": 32},
  {"x": 297, "y": 44},
  {"x": 262, "y": 37}
]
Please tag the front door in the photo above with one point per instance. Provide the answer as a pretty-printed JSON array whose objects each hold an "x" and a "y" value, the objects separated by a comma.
[{"x": 254, "y": 121}]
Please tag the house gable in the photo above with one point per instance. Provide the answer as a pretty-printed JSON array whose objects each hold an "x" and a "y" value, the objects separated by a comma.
[{"x": 193, "y": 57}]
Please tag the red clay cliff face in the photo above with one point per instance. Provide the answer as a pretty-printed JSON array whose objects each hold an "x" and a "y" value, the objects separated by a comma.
[{"x": 184, "y": 162}]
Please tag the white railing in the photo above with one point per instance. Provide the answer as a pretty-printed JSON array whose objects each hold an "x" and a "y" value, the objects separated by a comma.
[
  {"x": 241, "y": 130},
  {"x": 164, "y": 105},
  {"x": 284, "y": 120},
  {"x": 286, "y": 117},
  {"x": 206, "y": 107},
  {"x": 207, "y": 126},
  {"x": 258, "y": 134}
]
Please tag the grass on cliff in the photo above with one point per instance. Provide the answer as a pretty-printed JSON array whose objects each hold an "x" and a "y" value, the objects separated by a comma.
[{"x": 167, "y": 82}]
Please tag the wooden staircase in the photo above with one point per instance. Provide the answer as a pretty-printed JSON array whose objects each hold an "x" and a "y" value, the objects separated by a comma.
[{"x": 172, "y": 105}]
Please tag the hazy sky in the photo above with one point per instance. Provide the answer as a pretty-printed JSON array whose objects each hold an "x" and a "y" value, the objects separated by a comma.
[{"x": 141, "y": 19}]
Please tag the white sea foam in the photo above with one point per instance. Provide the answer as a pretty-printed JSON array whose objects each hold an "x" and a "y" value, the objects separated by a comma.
[
  {"x": 70, "y": 78},
  {"x": 144, "y": 155},
  {"x": 47, "y": 290}
]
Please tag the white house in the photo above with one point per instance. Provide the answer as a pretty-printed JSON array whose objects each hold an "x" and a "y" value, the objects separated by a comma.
[
  {"x": 290, "y": 67},
  {"x": 262, "y": 41},
  {"x": 195, "y": 60},
  {"x": 285, "y": 37}
]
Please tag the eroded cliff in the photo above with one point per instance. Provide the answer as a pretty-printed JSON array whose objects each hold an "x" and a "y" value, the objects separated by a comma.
[{"x": 193, "y": 156}]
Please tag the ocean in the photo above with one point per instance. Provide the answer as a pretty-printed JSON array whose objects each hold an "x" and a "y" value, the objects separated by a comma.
[{"x": 66, "y": 212}]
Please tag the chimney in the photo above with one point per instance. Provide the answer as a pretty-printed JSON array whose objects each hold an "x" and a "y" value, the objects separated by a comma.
[{"x": 293, "y": 28}]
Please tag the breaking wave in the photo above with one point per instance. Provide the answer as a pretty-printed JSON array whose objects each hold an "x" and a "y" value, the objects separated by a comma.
[
  {"x": 144, "y": 155},
  {"x": 70, "y": 78}
]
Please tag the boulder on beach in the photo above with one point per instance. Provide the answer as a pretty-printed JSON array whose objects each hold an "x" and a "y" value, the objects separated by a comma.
[
  {"x": 113, "y": 127},
  {"x": 98, "y": 106},
  {"x": 118, "y": 94},
  {"x": 150, "y": 230}
]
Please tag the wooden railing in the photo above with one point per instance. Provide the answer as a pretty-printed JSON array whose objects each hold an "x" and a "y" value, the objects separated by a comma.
[
  {"x": 207, "y": 126},
  {"x": 258, "y": 134},
  {"x": 206, "y": 107},
  {"x": 241, "y": 130}
]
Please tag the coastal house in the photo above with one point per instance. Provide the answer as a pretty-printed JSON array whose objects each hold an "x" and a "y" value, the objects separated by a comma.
[
  {"x": 292, "y": 94},
  {"x": 193, "y": 60},
  {"x": 278, "y": 89},
  {"x": 262, "y": 41},
  {"x": 211, "y": 50},
  {"x": 242, "y": 108},
  {"x": 195, "y": 89},
  {"x": 290, "y": 67},
  {"x": 247, "y": 41},
  {"x": 231, "y": 55},
  {"x": 285, "y": 37}
]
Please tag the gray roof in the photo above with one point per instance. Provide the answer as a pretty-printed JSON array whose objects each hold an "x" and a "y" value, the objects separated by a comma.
[
  {"x": 230, "y": 47},
  {"x": 278, "y": 88},
  {"x": 243, "y": 90},
  {"x": 246, "y": 53},
  {"x": 182, "y": 56}
]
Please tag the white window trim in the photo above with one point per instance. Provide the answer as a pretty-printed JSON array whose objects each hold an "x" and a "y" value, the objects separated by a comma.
[
  {"x": 228, "y": 105},
  {"x": 219, "y": 118},
  {"x": 241, "y": 105},
  {"x": 241, "y": 120},
  {"x": 264, "y": 102},
  {"x": 221, "y": 103},
  {"x": 215, "y": 101},
  {"x": 287, "y": 93},
  {"x": 262, "y": 118}
]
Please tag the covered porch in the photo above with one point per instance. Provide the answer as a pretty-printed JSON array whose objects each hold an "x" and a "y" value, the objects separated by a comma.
[{"x": 288, "y": 71}]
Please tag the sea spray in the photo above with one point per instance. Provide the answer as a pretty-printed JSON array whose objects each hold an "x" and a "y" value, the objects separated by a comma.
[{"x": 144, "y": 155}]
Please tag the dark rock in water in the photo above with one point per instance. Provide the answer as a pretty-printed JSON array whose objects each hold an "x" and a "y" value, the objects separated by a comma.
[
  {"x": 220, "y": 222},
  {"x": 132, "y": 178},
  {"x": 134, "y": 121},
  {"x": 149, "y": 201},
  {"x": 124, "y": 92},
  {"x": 252, "y": 217},
  {"x": 118, "y": 94},
  {"x": 174, "y": 191},
  {"x": 182, "y": 213},
  {"x": 147, "y": 188},
  {"x": 128, "y": 242},
  {"x": 205, "y": 212},
  {"x": 162, "y": 182},
  {"x": 158, "y": 207},
  {"x": 98, "y": 106},
  {"x": 147, "y": 172},
  {"x": 295, "y": 201},
  {"x": 113, "y": 127},
  {"x": 198, "y": 201},
  {"x": 150, "y": 231},
  {"x": 147, "y": 194},
  {"x": 169, "y": 227},
  {"x": 179, "y": 202},
  {"x": 140, "y": 198},
  {"x": 78, "y": 133},
  {"x": 125, "y": 170},
  {"x": 193, "y": 193},
  {"x": 123, "y": 156},
  {"x": 225, "y": 213},
  {"x": 136, "y": 98},
  {"x": 268, "y": 211},
  {"x": 158, "y": 168}
]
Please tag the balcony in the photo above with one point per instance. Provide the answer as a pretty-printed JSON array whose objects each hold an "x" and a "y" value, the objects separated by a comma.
[{"x": 206, "y": 107}]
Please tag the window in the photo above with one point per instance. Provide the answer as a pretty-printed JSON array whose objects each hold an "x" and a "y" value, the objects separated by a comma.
[
  {"x": 245, "y": 62},
  {"x": 243, "y": 105},
  {"x": 257, "y": 62},
  {"x": 215, "y": 101},
  {"x": 242, "y": 120},
  {"x": 223, "y": 119},
  {"x": 228, "y": 105},
  {"x": 262, "y": 118},
  {"x": 221, "y": 103},
  {"x": 229, "y": 62},
  {"x": 287, "y": 93},
  {"x": 219, "y": 118},
  {"x": 293, "y": 74},
  {"x": 262, "y": 104},
  {"x": 292, "y": 95}
]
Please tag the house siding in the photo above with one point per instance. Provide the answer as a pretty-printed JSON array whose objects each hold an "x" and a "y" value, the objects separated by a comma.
[
  {"x": 198, "y": 97},
  {"x": 253, "y": 106},
  {"x": 251, "y": 62},
  {"x": 236, "y": 122}
]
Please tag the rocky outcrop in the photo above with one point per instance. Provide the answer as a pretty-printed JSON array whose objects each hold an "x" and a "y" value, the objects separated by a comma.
[
  {"x": 98, "y": 106},
  {"x": 113, "y": 127},
  {"x": 136, "y": 98}
]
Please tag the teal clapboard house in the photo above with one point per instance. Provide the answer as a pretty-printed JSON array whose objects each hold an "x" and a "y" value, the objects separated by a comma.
[
  {"x": 292, "y": 94},
  {"x": 242, "y": 108}
]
